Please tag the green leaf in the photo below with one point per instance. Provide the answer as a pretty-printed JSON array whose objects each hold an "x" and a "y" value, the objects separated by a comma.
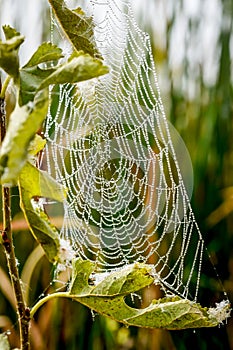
[
  {"x": 130, "y": 279},
  {"x": 34, "y": 183},
  {"x": 9, "y": 59},
  {"x": 78, "y": 27},
  {"x": 47, "y": 52},
  {"x": 10, "y": 32},
  {"x": 4, "y": 343},
  {"x": 81, "y": 272},
  {"x": 108, "y": 299},
  {"x": 30, "y": 79},
  {"x": 80, "y": 67},
  {"x": 31, "y": 75},
  {"x": 122, "y": 282},
  {"x": 24, "y": 123}
]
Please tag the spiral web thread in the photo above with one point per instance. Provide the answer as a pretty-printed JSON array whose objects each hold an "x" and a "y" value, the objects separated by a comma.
[{"x": 111, "y": 146}]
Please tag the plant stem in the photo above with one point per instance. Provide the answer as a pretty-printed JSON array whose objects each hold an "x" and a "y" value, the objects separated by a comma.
[
  {"x": 7, "y": 240},
  {"x": 49, "y": 297},
  {"x": 4, "y": 87}
]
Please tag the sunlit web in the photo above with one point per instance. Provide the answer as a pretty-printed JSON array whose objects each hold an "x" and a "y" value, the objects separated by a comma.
[{"x": 126, "y": 169}]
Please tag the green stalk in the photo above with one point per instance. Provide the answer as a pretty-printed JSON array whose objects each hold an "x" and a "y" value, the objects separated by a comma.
[
  {"x": 3, "y": 87},
  {"x": 7, "y": 241},
  {"x": 47, "y": 298}
]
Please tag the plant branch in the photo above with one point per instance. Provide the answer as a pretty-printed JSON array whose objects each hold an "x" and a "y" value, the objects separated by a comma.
[{"x": 7, "y": 241}]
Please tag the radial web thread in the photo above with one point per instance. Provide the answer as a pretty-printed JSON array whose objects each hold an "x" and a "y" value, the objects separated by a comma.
[{"x": 111, "y": 146}]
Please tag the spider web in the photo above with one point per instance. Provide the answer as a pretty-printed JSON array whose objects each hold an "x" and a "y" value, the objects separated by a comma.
[{"x": 126, "y": 169}]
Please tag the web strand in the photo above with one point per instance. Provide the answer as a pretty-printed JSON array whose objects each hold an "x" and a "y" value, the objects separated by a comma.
[{"x": 111, "y": 146}]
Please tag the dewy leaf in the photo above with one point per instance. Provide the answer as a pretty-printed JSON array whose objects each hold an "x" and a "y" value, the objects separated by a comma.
[
  {"x": 9, "y": 59},
  {"x": 24, "y": 123},
  {"x": 78, "y": 27},
  {"x": 34, "y": 183},
  {"x": 128, "y": 280},
  {"x": 4, "y": 343},
  {"x": 79, "y": 68},
  {"x": 108, "y": 298}
]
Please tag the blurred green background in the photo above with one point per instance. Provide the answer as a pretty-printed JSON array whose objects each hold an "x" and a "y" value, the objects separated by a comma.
[{"x": 193, "y": 50}]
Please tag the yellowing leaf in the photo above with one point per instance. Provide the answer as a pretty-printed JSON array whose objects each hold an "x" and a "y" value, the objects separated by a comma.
[{"x": 36, "y": 145}]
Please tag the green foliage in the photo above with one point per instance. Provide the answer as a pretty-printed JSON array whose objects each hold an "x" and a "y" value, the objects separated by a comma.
[
  {"x": 46, "y": 52},
  {"x": 32, "y": 76},
  {"x": 31, "y": 109},
  {"x": 125, "y": 281},
  {"x": 32, "y": 82},
  {"x": 19, "y": 145},
  {"x": 78, "y": 67},
  {"x": 107, "y": 297},
  {"x": 213, "y": 163}
]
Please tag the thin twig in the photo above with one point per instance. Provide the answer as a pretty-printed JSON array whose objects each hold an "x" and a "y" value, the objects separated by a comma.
[{"x": 7, "y": 239}]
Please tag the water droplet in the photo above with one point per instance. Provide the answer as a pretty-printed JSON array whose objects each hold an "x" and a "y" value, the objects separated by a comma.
[{"x": 93, "y": 314}]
